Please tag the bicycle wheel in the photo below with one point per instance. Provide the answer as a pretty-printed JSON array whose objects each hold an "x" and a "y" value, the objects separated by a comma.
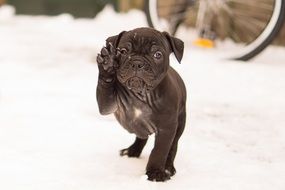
[{"x": 242, "y": 28}]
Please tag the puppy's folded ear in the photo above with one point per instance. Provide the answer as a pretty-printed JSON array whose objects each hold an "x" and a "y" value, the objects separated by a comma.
[
  {"x": 114, "y": 40},
  {"x": 176, "y": 45}
]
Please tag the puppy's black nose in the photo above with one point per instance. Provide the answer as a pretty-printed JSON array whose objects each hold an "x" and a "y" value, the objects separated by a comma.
[{"x": 137, "y": 65}]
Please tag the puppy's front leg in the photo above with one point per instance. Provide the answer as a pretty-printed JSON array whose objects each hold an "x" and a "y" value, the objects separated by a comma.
[
  {"x": 156, "y": 165},
  {"x": 106, "y": 92}
]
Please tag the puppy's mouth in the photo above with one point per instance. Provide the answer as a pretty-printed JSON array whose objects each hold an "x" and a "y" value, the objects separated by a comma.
[{"x": 135, "y": 83}]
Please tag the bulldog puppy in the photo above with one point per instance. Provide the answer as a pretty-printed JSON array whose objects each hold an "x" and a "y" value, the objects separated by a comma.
[{"x": 145, "y": 93}]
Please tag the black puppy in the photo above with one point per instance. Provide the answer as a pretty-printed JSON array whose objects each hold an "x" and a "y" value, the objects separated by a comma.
[{"x": 145, "y": 93}]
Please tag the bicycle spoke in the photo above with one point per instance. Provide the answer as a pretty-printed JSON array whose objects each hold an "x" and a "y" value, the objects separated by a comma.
[
  {"x": 249, "y": 13},
  {"x": 175, "y": 11},
  {"x": 250, "y": 29},
  {"x": 259, "y": 5},
  {"x": 167, "y": 6}
]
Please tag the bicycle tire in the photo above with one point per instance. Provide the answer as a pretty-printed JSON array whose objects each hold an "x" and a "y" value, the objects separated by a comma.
[{"x": 258, "y": 45}]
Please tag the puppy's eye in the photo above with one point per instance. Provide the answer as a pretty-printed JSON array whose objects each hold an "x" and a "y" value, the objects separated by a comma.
[
  {"x": 157, "y": 55},
  {"x": 123, "y": 51}
]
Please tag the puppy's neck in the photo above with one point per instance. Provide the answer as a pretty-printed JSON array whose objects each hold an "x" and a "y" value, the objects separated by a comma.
[{"x": 141, "y": 94}]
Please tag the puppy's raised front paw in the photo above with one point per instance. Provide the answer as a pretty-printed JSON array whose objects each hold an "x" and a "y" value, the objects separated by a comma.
[{"x": 107, "y": 62}]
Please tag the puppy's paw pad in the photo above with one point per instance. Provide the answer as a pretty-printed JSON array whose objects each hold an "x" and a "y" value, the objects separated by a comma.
[
  {"x": 104, "y": 51},
  {"x": 100, "y": 59}
]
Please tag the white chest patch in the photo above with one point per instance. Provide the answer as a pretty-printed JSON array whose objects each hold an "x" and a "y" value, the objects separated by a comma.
[{"x": 137, "y": 112}]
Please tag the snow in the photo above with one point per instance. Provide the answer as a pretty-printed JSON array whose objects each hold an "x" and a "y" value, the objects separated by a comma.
[{"x": 53, "y": 137}]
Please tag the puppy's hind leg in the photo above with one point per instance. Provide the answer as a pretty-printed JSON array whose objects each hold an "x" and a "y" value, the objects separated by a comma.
[{"x": 135, "y": 149}]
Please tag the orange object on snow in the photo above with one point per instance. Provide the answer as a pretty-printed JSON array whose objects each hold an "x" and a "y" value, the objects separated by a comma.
[{"x": 203, "y": 42}]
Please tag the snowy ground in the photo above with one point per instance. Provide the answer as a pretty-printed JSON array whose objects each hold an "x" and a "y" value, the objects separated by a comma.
[{"x": 52, "y": 136}]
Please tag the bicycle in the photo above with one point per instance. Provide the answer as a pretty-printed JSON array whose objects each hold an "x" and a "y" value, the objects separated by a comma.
[{"x": 236, "y": 29}]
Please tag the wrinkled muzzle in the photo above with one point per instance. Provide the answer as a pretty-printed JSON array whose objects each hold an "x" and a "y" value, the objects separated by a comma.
[{"x": 137, "y": 74}]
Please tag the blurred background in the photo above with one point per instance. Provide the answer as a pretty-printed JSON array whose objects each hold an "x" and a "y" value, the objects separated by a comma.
[{"x": 87, "y": 9}]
